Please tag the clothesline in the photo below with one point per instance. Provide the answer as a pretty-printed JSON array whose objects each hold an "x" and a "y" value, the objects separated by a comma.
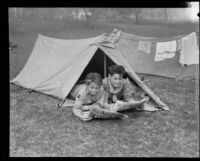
[
  {"x": 150, "y": 39},
  {"x": 166, "y": 47},
  {"x": 187, "y": 45}
]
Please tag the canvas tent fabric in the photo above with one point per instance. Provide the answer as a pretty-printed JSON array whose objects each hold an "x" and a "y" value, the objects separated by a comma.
[
  {"x": 144, "y": 46},
  {"x": 55, "y": 65}
]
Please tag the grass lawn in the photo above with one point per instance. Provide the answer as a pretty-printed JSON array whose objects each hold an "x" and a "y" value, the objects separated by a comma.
[{"x": 38, "y": 128}]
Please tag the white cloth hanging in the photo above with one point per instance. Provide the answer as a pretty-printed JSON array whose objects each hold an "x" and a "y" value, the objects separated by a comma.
[
  {"x": 189, "y": 53},
  {"x": 165, "y": 50},
  {"x": 169, "y": 46}
]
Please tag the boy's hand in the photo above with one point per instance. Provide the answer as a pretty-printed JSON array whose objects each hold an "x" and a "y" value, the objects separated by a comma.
[
  {"x": 85, "y": 108},
  {"x": 114, "y": 98}
]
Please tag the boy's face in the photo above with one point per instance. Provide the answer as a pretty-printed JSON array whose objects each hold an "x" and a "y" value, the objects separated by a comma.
[
  {"x": 93, "y": 88},
  {"x": 116, "y": 80}
]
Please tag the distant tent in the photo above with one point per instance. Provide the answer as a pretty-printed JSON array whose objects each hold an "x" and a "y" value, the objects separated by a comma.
[
  {"x": 144, "y": 63},
  {"x": 56, "y": 65}
]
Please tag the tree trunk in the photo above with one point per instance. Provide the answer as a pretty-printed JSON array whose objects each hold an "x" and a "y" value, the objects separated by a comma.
[
  {"x": 88, "y": 18},
  {"x": 137, "y": 13},
  {"x": 166, "y": 15},
  {"x": 137, "y": 19}
]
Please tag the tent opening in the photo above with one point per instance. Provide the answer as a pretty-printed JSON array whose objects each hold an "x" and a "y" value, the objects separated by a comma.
[{"x": 99, "y": 63}]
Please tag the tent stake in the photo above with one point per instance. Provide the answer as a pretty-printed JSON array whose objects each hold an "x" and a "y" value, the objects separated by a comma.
[{"x": 61, "y": 103}]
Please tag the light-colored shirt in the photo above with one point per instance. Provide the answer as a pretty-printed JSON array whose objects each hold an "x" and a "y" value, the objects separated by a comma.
[
  {"x": 83, "y": 97},
  {"x": 122, "y": 92}
]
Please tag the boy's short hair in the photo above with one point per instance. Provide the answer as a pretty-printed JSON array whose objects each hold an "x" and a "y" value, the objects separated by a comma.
[
  {"x": 93, "y": 77},
  {"x": 116, "y": 69}
]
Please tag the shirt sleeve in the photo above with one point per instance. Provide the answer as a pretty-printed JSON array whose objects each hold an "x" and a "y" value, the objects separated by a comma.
[
  {"x": 79, "y": 99},
  {"x": 127, "y": 92},
  {"x": 103, "y": 98},
  {"x": 76, "y": 89}
]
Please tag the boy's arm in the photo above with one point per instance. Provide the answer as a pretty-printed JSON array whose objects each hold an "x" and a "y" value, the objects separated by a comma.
[
  {"x": 79, "y": 100},
  {"x": 103, "y": 101},
  {"x": 127, "y": 92}
]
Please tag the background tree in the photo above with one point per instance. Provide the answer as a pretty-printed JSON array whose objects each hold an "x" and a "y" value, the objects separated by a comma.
[
  {"x": 124, "y": 12},
  {"x": 129, "y": 13},
  {"x": 166, "y": 15},
  {"x": 95, "y": 14},
  {"x": 91, "y": 15},
  {"x": 136, "y": 12}
]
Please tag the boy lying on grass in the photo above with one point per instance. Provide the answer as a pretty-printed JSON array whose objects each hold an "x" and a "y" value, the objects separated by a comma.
[
  {"x": 90, "y": 100},
  {"x": 95, "y": 100},
  {"x": 118, "y": 91}
]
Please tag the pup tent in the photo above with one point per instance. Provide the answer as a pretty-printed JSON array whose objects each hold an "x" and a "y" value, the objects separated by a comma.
[{"x": 56, "y": 65}]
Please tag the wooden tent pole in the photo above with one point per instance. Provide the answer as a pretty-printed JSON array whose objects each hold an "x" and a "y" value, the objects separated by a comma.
[{"x": 104, "y": 66}]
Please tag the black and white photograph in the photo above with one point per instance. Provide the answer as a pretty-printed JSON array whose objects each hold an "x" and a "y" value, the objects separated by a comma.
[{"x": 104, "y": 81}]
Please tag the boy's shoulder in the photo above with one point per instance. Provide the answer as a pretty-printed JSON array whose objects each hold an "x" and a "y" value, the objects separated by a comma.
[{"x": 82, "y": 91}]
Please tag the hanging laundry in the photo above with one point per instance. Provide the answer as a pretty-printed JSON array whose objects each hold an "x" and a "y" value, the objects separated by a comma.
[
  {"x": 164, "y": 55},
  {"x": 189, "y": 53},
  {"x": 144, "y": 46},
  {"x": 178, "y": 44},
  {"x": 169, "y": 46},
  {"x": 165, "y": 50}
]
